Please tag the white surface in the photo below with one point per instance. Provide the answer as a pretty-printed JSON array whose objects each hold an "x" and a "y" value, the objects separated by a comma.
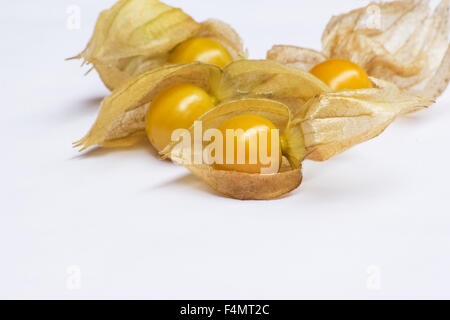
[{"x": 137, "y": 227}]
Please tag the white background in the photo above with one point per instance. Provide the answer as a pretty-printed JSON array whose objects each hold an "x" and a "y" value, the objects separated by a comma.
[{"x": 123, "y": 224}]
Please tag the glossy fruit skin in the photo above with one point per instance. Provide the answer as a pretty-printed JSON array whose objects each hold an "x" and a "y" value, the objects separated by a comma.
[
  {"x": 340, "y": 74},
  {"x": 175, "y": 107},
  {"x": 203, "y": 50},
  {"x": 251, "y": 125}
]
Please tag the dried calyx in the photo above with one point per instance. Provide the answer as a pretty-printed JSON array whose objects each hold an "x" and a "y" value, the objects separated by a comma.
[
  {"x": 399, "y": 41},
  {"x": 135, "y": 36},
  {"x": 314, "y": 122}
]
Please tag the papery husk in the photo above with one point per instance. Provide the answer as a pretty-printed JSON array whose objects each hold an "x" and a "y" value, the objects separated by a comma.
[
  {"x": 135, "y": 36},
  {"x": 246, "y": 186},
  {"x": 296, "y": 57},
  {"x": 404, "y": 44},
  {"x": 334, "y": 122},
  {"x": 224, "y": 34},
  {"x": 269, "y": 80},
  {"x": 239, "y": 185},
  {"x": 121, "y": 120}
]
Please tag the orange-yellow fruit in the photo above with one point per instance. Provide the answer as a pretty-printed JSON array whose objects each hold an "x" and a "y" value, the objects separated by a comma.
[
  {"x": 252, "y": 126},
  {"x": 175, "y": 107},
  {"x": 203, "y": 50},
  {"x": 341, "y": 74}
]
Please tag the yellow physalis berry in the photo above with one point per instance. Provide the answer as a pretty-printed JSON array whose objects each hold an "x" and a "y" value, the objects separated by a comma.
[
  {"x": 203, "y": 50},
  {"x": 340, "y": 74},
  {"x": 175, "y": 107},
  {"x": 251, "y": 140}
]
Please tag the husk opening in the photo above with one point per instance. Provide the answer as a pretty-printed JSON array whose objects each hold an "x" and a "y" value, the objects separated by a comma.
[
  {"x": 122, "y": 114},
  {"x": 234, "y": 184},
  {"x": 135, "y": 36}
]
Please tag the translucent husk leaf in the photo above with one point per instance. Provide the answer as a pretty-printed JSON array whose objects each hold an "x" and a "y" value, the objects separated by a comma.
[
  {"x": 135, "y": 36},
  {"x": 122, "y": 115},
  {"x": 245, "y": 186},
  {"x": 334, "y": 122},
  {"x": 121, "y": 119},
  {"x": 225, "y": 35},
  {"x": 397, "y": 41},
  {"x": 270, "y": 80},
  {"x": 240, "y": 185},
  {"x": 296, "y": 57}
]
